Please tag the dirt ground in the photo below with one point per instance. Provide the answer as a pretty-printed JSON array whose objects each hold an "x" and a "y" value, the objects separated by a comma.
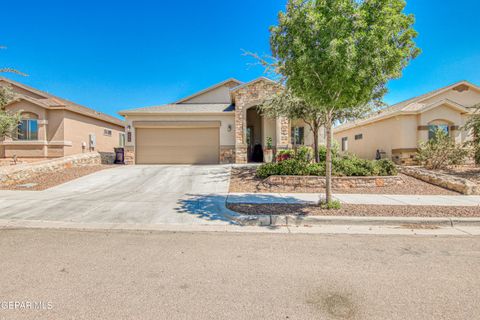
[
  {"x": 357, "y": 210},
  {"x": 49, "y": 180},
  {"x": 243, "y": 180}
]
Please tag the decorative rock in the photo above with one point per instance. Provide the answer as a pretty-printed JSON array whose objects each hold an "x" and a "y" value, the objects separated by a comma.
[
  {"x": 12, "y": 174},
  {"x": 337, "y": 182},
  {"x": 442, "y": 180}
]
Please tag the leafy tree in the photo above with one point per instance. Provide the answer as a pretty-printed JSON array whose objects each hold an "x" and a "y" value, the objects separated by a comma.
[
  {"x": 441, "y": 151},
  {"x": 338, "y": 55},
  {"x": 473, "y": 126},
  {"x": 287, "y": 105},
  {"x": 8, "y": 120}
]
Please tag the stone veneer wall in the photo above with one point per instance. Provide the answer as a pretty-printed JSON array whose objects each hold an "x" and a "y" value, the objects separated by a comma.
[
  {"x": 12, "y": 174},
  {"x": 249, "y": 96},
  {"x": 227, "y": 154},
  {"x": 337, "y": 182},
  {"x": 129, "y": 155},
  {"x": 442, "y": 180}
]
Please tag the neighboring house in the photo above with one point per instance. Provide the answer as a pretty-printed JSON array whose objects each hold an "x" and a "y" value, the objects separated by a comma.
[
  {"x": 54, "y": 127},
  {"x": 395, "y": 132},
  {"x": 220, "y": 124}
]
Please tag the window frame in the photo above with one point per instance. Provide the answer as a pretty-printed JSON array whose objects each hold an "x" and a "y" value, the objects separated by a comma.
[
  {"x": 27, "y": 134},
  {"x": 294, "y": 137},
  {"x": 433, "y": 127},
  {"x": 344, "y": 144}
]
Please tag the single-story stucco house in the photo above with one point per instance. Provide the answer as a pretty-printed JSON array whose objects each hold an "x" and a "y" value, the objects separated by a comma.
[
  {"x": 395, "y": 132},
  {"x": 53, "y": 127},
  {"x": 220, "y": 124}
]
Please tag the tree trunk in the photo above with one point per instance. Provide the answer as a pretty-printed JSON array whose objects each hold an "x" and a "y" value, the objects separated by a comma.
[
  {"x": 328, "y": 160},
  {"x": 315, "y": 142}
]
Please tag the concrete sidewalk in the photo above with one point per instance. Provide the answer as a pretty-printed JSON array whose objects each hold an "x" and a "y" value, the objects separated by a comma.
[{"x": 373, "y": 199}]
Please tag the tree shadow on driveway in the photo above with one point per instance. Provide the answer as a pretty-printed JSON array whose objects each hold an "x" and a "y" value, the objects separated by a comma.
[{"x": 210, "y": 207}]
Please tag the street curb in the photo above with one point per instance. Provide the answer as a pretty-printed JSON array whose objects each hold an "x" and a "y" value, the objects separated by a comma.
[{"x": 291, "y": 220}]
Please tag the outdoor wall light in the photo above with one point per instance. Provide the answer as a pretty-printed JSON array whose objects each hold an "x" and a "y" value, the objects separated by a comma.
[{"x": 229, "y": 129}]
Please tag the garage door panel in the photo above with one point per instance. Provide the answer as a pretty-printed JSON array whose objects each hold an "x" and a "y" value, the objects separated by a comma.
[{"x": 178, "y": 145}]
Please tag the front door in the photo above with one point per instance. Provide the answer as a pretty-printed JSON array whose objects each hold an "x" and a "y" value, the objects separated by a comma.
[{"x": 250, "y": 143}]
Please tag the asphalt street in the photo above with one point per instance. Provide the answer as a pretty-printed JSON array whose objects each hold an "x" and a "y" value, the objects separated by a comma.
[{"x": 189, "y": 275}]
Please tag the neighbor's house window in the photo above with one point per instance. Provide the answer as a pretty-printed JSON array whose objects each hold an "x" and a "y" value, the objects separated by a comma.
[
  {"x": 432, "y": 128},
  {"x": 344, "y": 144},
  {"x": 121, "y": 139},
  {"x": 359, "y": 136},
  {"x": 28, "y": 127},
  {"x": 107, "y": 132},
  {"x": 298, "y": 135}
]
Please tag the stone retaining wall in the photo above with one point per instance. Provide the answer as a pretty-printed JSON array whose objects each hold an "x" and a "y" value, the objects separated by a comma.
[
  {"x": 337, "y": 182},
  {"x": 12, "y": 174},
  {"x": 442, "y": 180}
]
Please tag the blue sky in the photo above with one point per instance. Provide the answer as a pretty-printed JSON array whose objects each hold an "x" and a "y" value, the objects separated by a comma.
[{"x": 112, "y": 55}]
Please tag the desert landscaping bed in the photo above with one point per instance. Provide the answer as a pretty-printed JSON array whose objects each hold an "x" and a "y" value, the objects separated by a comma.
[
  {"x": 356, "y": 210},
  {"x": 48, "y": 180},
  {"x": 243, "y": 180}
]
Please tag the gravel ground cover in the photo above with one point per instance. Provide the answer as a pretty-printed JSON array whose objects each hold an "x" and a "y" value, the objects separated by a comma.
[
  {"x": 48, "y": 180},
  {"x": 243, "y": 180},
  {"x": 357, "y": 210}
]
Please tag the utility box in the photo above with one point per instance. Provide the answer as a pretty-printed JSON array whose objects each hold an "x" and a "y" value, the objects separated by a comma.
[{"x": 92, "y": 141}]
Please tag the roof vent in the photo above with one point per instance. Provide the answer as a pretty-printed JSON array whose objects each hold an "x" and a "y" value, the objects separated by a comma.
[{"x": 461, "y": 88}]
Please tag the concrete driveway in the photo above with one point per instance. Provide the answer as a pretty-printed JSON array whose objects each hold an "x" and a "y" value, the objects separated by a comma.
[{"x": 169, "y": 194}]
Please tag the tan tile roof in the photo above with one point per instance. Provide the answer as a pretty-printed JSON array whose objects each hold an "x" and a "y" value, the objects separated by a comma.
[
  {"x": 188, "y": 108},
  {"x": 51, "y": 101},
  {"x": 412, "y": 105}
]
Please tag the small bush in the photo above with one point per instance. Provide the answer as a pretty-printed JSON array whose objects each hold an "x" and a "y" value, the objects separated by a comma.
[
  {"x": 333, "y": 205},
  {"x": 283, "y": 155},
  {"x": 441, "y": 151},
  {"x": 304, "y": 154},
  {"x": 386, "y": 167}
]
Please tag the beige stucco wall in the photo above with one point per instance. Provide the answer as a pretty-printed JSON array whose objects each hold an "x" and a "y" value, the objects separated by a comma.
[
  {"x": 218, "y": 95},
  {"x": 394, "y": 133},
  {"x": 466, "y": 98},
  {"x": 227, "y": 138},
  {"x": 78, "y": 128}
]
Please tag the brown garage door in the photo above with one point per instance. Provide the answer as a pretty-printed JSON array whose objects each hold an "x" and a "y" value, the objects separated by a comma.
[{"x": 177, "y": 145}]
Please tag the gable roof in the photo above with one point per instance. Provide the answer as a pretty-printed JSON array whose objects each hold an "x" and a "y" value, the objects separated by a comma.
[
  {"x": 184, "y": 108},
  {"x": 215, "y": 86},
  {"x": 252, "y": 82},
  {"x": 411, "y": 106},
  {"x": 50, "y": 101}
]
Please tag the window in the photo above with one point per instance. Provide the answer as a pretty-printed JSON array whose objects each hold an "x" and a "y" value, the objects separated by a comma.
[
  {"x": 121, "y": 139},
  {"x": 28, "y": 129},
  {"x": 434, "y": 127},
  {"x": 344, "y": 144},
  {"x": 359, "y": 136},
  {"x": 107, "y": 132},
  {"x": 297, "y": 135}
]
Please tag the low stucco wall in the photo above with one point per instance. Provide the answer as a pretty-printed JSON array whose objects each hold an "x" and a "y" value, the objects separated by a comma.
[
  {"x": 337, "y": 182},
  {"x": 446, "y": 181},
  {"x": 12, "y": 174}
]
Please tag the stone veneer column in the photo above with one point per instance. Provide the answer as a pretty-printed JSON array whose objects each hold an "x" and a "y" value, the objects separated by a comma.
[
  {"x": 247, "y": 96},
  {"x": 283, "y": 133}
]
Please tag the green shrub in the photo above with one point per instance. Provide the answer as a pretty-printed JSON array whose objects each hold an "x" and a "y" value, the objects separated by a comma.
[
  {"x": 346, "y": 165},
  {"x": 386, "y": 167},
  {"x": 266, "y": 170},
  {"x": 304, "y": 153},
  {"x": 441, "y": 151},
  {"x": 332, "y": 205}
]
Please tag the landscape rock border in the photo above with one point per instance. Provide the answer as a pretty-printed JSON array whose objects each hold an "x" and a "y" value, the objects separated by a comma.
[
  {"x": 443, "y": 180},
  {"x": 337, "y": 182},
  {"x": 12, "y": 174}
]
